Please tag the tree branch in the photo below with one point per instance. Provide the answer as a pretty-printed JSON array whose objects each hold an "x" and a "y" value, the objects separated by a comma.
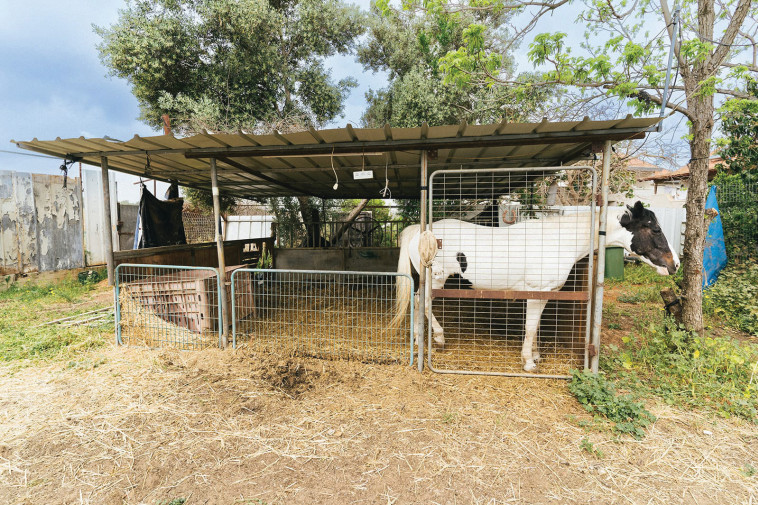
[{"x": 721, "y": 52}]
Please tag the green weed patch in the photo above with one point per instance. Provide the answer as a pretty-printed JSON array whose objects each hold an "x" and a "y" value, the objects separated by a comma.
[
  {"x": 23, "y": 309},
  {"x": 734, "y": 297},
  {"x": 715, "y": 373},
  {"x": 598, "y": 396}
]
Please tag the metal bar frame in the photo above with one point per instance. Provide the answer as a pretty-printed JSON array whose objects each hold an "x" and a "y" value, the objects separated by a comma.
[
  {"x": 119, "y": 340},
  {"x": 600, "y": 281},
  {"x": 318, "y": 272},
  {"x": 588, "y": 295}
]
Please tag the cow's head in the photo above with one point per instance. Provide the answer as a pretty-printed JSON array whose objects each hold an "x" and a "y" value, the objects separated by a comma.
[{"x": 647, "y": 240}]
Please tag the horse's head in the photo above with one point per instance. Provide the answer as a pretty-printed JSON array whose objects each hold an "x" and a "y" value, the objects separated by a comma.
[{"x": 647, "y": 240}]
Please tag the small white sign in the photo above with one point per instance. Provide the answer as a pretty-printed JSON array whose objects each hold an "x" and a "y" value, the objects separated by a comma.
[{"x": 363, "y": 174}]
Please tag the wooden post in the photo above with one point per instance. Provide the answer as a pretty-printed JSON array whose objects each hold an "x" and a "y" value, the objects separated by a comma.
[
  {"x": 107, "y": 222},
  {"x": 224, "y": 317},
  {"x": 422, "y": 291},
  {"x": 600, "y": 274}
]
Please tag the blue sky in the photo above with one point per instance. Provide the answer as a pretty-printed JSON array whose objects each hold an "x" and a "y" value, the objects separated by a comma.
[{"x": 52, "y": 83}]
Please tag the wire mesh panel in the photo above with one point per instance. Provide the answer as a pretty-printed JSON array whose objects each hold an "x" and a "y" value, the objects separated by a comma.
[
  {"x": 510, "y": 282},
  {"x": 323, "y": 314},
  {"x": 167, "y": 306}
]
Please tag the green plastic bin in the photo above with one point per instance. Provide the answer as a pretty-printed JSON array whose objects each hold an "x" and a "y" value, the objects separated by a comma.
[{"x": 614, "y": 263}]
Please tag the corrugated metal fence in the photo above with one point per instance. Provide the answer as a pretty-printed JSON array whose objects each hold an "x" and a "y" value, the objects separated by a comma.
[{"x": 41, "y": 225}]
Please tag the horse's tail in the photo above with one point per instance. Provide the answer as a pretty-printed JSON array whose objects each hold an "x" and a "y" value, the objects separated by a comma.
[{"x": 403, "y": 288}]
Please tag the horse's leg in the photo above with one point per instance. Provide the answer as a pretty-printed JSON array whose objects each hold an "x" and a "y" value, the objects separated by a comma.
[
  {"x": 534, "y": 310},
  {"x": 438, "y": 281},
  {"x": 416, "y": 302}
]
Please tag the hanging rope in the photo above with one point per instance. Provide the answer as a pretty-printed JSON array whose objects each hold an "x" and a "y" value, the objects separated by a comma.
[
  {"x": 336, "y": 179},
  {"x": 427, "y": 248},
  {"x": 386, "y": 193}
]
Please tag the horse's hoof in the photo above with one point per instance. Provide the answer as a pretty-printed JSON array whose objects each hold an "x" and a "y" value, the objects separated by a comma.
[
  {"x": 536, "y": 356},
  {"x": 530, "y": 366},
  {"x": 438, "y": 346}
]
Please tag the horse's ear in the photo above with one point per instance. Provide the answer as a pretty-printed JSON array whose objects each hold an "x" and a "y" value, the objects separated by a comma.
[
  {"x": 638, "y": 210},
  {"x": 629, "y": 207}
]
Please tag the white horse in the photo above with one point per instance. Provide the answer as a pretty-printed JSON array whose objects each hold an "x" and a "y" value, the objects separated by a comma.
[{"x": 532, "y": 255}]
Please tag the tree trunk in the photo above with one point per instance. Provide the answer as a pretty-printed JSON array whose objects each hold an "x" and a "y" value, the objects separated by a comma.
[
  {"x": 694, "y": 236},
  {"x": 312, "y": 220},
  {"x": 349, "y": 220}
]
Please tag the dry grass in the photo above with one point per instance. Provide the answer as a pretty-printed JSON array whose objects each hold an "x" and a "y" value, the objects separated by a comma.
[
  {"x": 234, "y": 427},
  {"x": 140, "y": 325}
]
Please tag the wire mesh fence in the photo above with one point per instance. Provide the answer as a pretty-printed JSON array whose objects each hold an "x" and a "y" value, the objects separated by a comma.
[
  {"x": 366, "y": 232},
  {"x": 738, "y": 205},
  {"x": 511, "y": 278},
  {"x": 167, "y": 306},
  {"x": 322, "y": 314},
  {"x": 198, "y": 228}
]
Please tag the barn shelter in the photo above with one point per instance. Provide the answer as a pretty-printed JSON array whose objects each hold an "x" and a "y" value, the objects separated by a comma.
[{"x": 351, "y": 162}]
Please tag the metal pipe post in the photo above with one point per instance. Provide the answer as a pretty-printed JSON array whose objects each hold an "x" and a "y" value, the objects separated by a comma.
[
  {"x": 107, "y": 222},
  {"x": 224, "y": 319},
  {"x": 599, "y": 283},
  {"x": 422, "y": 288}
]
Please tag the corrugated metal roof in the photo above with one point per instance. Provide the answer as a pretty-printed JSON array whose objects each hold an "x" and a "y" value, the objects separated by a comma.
[{"x": 304, "y": 163}]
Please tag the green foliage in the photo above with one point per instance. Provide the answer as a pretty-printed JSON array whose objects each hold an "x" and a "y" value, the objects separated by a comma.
[
  {"x": 649, "y": 293},
  {"x": 24, "y": 308},
  {"x": 202, "y": 200},
  {"x": 265, "y": 261},
  {"x": 90, "y": 277},
  {"x": 737, "y": 196},
  {"x": 715, "y": 373},
  {"x": 639, "y": 276},
  {"x": 225, "y": 65},
  {"x": 419, "y": 47},
  {"x": 734, "y": 297},
  {"x": 598, "y": 397},
  {"x": 589, "y": 447}
]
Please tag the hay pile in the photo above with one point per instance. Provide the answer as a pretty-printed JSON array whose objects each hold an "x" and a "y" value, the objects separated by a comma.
[{"x": 142, "y": 326}]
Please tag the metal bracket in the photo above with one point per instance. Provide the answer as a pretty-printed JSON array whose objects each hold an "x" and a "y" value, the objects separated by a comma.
[
  {"x": 439, "y": 243},
  {"x": 591, "y": 350}
]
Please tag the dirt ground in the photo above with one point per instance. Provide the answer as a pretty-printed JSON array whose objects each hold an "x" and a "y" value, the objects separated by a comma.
[{"x": 138, "y": 426}]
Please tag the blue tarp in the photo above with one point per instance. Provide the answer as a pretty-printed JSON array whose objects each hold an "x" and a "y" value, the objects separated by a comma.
[{"x": 714, "y": 256}]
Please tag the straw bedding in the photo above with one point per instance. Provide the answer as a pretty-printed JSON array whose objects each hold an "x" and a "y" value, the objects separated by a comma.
[{"x": 149, "y": 426}]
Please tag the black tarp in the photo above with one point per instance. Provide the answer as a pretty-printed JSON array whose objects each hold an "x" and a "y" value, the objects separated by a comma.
[{"x": 160, "y": 221}]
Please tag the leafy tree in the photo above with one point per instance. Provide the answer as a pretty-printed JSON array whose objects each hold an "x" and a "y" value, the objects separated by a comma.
[
  {"x": 739, "y": 124},
  {"x": 226, "y": 64},
  {"x": 411, "y": 44},
  {"x": 715, "y": 53}
]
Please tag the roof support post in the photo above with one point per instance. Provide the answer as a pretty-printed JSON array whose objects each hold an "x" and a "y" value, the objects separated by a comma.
[
  {"x": 107, "y": 221},
  {"x": 600, "y": 279},
  {"x": 224, "y": 316},
  {"x": 424, "y": 297}
]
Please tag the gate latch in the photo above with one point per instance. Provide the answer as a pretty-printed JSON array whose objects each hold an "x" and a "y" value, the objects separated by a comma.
[
  {"x": 439, "y": 243},
  {"x": 591, "y": 351}
]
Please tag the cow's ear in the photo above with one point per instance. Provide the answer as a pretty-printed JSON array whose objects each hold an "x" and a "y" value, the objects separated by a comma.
[{"x": 638, "y": 210}]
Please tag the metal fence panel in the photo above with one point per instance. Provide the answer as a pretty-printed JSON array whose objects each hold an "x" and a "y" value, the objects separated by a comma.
[
  {"x": 738, "y": 204},
  {"x": 323, "y": 314},
  {"x": 518, "y": 259},
  {"x": 168, "y": 306}
]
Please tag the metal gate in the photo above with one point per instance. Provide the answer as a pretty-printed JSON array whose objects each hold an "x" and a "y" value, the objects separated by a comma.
[
  {"x": 167, "y": 306},
  {"x": 513, "y": 252},
  {"x": 322, "y": 314}
]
